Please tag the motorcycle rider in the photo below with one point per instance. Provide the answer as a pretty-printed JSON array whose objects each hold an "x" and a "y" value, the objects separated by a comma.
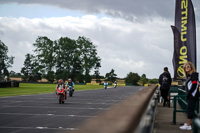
[
  {"x": 105, "y": 84},
  {"x": 70, "y": 83},
  {"x": 115, "y": 84},
  {"x": 61, "y": 83}
]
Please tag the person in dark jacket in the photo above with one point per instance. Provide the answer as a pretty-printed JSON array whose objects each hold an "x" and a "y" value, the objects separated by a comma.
[
  {"x": 165, "y": 81},
  {"x": 192, "y": 92}
]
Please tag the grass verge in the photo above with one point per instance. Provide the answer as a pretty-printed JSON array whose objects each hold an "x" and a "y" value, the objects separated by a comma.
[{"x": 29, "y": 88}]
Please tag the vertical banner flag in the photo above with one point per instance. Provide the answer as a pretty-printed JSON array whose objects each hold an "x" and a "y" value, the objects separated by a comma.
[
  {"x": 176, "y": 55},
  {"x": 184, "y": 37}
]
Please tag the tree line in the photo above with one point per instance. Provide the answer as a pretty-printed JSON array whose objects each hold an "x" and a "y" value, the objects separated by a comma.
[{"x": 62, "y": 59}]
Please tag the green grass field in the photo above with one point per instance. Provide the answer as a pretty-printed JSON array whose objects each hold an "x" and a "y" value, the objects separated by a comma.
[{"x": 28, "y": 88}]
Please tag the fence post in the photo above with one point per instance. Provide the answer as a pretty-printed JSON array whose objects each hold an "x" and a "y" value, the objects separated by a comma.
[
  {"x": 197, "y": 104},
  {"x": 174, "y": 111}
]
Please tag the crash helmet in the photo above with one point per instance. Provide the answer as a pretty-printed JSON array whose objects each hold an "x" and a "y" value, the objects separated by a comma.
[
  {"x": 60, "y": 81},
  {"x": 69, "y": 80}
]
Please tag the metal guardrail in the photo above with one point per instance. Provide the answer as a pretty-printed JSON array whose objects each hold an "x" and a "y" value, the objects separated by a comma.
[
  {"x": 171, "y": 97},
  {"x": 177, "y": 98},
  {"x": 196, "y": 121},
  {"x": 134, "y": 114},
  {"x": 196, "y": 125},
  {"x": 181, "y": 99},
  {"x": 174, "y": 90},
  {"x": 149, "y": 117},
  {"x": 5, "y": 84}
]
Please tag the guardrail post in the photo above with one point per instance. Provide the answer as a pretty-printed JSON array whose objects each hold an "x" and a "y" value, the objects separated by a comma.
[
  {"x": 196, "y": 126},
  {"x": 169, "y": 101},
  {"x": 195, "y": 129},
  {"x": 174, "y": 111},
  {"x": 197, "y": 106}
]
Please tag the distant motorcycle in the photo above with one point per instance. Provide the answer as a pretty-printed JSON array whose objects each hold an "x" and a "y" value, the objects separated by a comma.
[
  {"x": 115, "y": 85},
  {"x": 61, "y": 94},
  {"x": 105, "y": 85},
  {"x": 71, "y": 91}
]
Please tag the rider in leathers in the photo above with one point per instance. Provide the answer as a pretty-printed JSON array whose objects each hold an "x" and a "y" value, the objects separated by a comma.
[
  {"x": 70, "y": 83},
  {"x": 61, "y": 83}
]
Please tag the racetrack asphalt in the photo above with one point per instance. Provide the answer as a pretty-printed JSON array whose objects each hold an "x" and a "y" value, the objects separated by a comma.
[{"x": 43, "y": 114}]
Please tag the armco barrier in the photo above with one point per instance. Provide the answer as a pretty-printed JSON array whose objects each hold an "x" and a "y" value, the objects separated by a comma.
[
  {"x": 181, "y": 99},
  {"x": 14, "y": 84},
  {"x": 9, "y": 84},
  {"x": 124, "y": 117},
  {"x": 196, "y": 124},
  {"x": 5, "y": 84}
]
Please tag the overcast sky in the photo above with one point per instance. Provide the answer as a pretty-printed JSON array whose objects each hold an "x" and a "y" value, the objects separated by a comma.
[{"x": 130, "y": 35}]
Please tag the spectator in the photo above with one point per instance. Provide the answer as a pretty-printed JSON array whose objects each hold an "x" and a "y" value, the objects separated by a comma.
[
  {"x": 192, "y": 92},
  {"x": 165, "y": 81}
]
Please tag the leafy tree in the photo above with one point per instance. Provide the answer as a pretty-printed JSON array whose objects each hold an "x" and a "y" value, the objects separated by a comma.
[
  {"x": 14, "y": 74},
  {"x": 50, "y": 76},
  {"x": 67, "y": 60},
  {"x": 143, "y": 80},
  {"x": 45, "y": 55},
  {"x": 132, "y": 78},
  {"x": 5, "y": 60},
  {"x": 88, "y": 56},
  {"x": 111, "y": 76},
  {"x": 97, "y": 73},
  {"x": 31, "y": 69},
  {"x": 153, "y": 81},
  {"x": 77, "y": 71}
]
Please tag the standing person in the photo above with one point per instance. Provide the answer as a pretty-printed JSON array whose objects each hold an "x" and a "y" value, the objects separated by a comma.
[
  {"x": 165, "y": 81},
  {"x": 192, "y": 92}
]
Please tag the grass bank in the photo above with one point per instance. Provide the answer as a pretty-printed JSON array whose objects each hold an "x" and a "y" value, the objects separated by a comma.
[{"x": 29, "y": 88}]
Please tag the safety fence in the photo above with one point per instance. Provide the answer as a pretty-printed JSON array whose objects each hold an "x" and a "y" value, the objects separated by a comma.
[
  {"x": 135, "y": 114},
  {"x": 180, "y": 98},
  {"x": 196, "y": 124},
  {"x": 5, "y": 84}
]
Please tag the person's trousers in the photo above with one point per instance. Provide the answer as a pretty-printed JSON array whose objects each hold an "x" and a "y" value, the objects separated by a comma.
[
  {"x": 190, "y": 108},
  {"x": 164, "y": 94}
]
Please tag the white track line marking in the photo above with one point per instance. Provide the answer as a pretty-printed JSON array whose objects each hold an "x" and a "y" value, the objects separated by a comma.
[
  {"x": 40, "y": 127},
  {"x": 64, "y": 115},
  {"x": 8, "y": 106}
]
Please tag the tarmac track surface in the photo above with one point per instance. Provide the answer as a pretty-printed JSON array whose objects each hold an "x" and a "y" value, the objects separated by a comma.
[{"x": 43, "y": 114}]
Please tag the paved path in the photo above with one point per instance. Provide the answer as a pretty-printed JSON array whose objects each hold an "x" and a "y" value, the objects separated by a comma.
[
  {"x": 164, "y": 120},
  {"x": 42, "y": 113}
]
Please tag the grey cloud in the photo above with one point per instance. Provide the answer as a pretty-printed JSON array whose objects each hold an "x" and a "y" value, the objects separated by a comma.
[
  {"x": 128, "y": 9},
  {"x": 131, "y": 10},
  {"x": 119, "y": 46},
  {"x": 1, "y": 32},
  {"x": 149, "y": 41}
]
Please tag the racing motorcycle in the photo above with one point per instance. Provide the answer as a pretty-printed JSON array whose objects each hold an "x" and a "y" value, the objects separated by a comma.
[
  {"x": 71, "y": 91},
  {"x": 61, "y": 94},
  {"x": 115, "y": 85},
  {"x": 105, "y": 85}
]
